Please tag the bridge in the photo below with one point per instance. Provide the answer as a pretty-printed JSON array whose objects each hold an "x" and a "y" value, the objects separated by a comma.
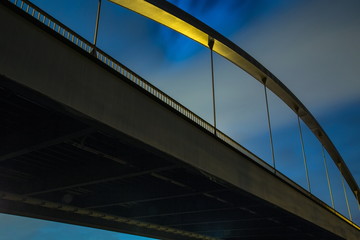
[{"x": 87, "y": 141}]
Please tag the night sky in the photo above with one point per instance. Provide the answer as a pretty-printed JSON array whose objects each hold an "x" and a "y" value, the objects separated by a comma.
[{"x": 312, "y": 46}]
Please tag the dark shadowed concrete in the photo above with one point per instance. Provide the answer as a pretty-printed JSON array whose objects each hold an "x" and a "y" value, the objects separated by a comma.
[{"x": 87, "y": 89}]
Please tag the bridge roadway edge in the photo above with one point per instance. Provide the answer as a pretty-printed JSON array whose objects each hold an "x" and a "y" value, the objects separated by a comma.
[{"x": 87, "y": 87}]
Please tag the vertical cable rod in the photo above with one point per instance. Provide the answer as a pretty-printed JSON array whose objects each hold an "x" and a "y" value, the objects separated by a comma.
[
  {"x": 211, "y": 45},
  {"x": 346, "y": 197},
  {"x": 97, "y": 22},
  {"x": 328, "y": 178},
  {"x": 303, "y": 153},
  {"x": 269, "y": 125}
]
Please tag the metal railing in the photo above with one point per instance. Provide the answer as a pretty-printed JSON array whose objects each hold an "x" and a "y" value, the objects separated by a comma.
[
  {"x": 84, "y": 45},
  {"x": 88, "y": 47}
]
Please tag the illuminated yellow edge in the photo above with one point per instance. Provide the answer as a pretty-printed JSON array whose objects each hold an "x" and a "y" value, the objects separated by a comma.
[
  {"x": 342, "y": 217},
  {"x": 150, "y": 11}
]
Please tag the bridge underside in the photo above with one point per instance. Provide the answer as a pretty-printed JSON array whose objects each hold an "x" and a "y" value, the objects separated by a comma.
[
  {"x": 82, "y": 144},
  {"x": 51, "y": 154}
]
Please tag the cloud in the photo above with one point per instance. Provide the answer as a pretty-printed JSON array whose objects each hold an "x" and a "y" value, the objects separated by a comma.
[
  {"x": 315, "y": 55},
  {"x": 9, "y": 227},
  {"x": 227, "y": 19}
]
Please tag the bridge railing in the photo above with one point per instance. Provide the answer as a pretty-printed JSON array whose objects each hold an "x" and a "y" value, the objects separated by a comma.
[
  {"x": 66, "y": 33},
  {"x": 88, "y": 47},
  {"x": 53, "y": 24}
]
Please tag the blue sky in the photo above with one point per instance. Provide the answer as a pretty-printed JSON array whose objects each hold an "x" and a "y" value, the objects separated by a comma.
[
  {"x": 35, "y": 229},
  {"x": 310, "y": 45}
]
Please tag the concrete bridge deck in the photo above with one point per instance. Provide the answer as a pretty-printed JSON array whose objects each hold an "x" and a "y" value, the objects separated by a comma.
[{"x": 83, "y": 144}]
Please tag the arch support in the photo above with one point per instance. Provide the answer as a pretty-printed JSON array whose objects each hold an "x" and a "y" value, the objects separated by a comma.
[{"x": 172, "y": 17}]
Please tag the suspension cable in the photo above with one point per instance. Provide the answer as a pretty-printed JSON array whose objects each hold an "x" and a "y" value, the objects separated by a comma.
[
  {"x": 97, "y": 22},
  {"x": 304, "y": 155},
  {"x": 346, "y": 198},
  {"x": 211, "y": 45},
  {"x": 269, "y": 125},
  {"x": 328, "y": 178}
]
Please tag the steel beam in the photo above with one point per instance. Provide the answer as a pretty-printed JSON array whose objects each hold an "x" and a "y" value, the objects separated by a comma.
[
  {"x": 96, "y": 181},
  {"x": 30, "y": 145},
  {"x": 32, "y": 207},
  {"x": 152, "y": 196},
  {"x": 194, "y": 218}
]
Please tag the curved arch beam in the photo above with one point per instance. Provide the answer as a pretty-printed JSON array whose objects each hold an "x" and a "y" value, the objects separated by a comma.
[{"x": 171, "y": 16}]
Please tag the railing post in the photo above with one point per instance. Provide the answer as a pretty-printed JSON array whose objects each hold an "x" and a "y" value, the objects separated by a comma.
[
  {"x": 211, "y": 45},
  {"x": 303, "y": 153},
  {"x": 269, "y": 124},
  {"x": 328, "y": 178},
  {"x": 96, "y": 27}
]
